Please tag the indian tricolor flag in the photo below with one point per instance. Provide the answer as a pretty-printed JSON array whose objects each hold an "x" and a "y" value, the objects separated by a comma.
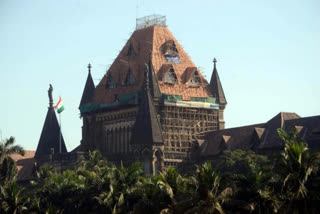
[{"x": 59, "y": 106}]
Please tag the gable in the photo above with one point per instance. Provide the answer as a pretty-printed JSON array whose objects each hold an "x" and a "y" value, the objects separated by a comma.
[{"x": 170, "y": 77}]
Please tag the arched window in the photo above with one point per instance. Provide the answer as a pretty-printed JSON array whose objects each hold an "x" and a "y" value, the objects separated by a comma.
[{"x": 147, "y": 166}]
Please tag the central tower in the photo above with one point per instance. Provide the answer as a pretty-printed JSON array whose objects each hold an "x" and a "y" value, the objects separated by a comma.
[{"x": 153, "y": 104}]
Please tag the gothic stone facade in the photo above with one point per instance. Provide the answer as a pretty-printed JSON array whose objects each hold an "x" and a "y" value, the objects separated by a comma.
[{"x": 153, "y": 104}]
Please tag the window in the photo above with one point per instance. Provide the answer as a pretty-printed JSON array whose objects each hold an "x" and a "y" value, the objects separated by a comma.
[
  {"x": 169, "y": 48},
  {"x": 170, "y": 77},
  {"x": 195, "y": 78},
  {"x": 110, "y": 82},
  {"x": 170, "y": 51},
  {"x": 173, "y": 59},
  {"x": 130, "y": 80}
]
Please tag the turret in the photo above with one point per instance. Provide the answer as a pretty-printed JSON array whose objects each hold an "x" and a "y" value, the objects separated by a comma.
[
  {"x": 88, "y": 90},
  {"x": 147, "y": 128},
  {"x": 217, "y": 92},
  {"x": 50, "y": 135}
]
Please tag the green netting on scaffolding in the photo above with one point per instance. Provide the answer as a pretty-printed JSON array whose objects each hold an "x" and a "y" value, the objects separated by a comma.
[
  {"x": 89, "y": 107},
  {"x": 131, "y": 98},
  {"x": 203, "y": 99},
  {"x": 171, "y": 97}
]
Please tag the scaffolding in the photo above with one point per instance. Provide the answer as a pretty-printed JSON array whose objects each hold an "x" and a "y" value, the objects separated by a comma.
[{"x": 151, "y": 20}]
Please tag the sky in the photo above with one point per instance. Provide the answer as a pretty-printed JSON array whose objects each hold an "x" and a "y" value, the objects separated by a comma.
[{"x": 268, "y": 55}]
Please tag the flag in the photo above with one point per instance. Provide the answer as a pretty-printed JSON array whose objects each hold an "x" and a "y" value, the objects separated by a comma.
[{"x": 59, "y": 106}]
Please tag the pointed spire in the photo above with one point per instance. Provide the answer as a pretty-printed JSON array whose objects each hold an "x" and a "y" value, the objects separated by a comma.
[
  {"x": 154, "y": 86},
  {"x": 89, "y": 88},
  {"x": 147, "y": 128},
  {"x": 216, "y": 87},
  {"x": 50, "y": 135}
]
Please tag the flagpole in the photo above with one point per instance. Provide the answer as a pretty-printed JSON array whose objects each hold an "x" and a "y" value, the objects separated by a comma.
[{"x": 60, "y": 133}]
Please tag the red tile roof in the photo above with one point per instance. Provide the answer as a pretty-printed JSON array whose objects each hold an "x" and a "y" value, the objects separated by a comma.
[
  {"x": 144, "y": 40},
  {"x": 24, "y": 165}
]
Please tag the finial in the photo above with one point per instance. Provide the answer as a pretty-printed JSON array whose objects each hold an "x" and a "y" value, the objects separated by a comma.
[
  {"x": 214, "y": 62},
  {"x": 89, "y": 68},
  {"x": 50, "y": 96}
]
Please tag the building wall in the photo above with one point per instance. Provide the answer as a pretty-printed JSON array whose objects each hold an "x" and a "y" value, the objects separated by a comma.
[
  {"x": 182, "y": 128},
  {"x": 110, "y": 132}
]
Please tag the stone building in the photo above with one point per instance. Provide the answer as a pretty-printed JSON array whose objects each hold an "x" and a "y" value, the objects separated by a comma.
[{"x": 153, "y": 104}]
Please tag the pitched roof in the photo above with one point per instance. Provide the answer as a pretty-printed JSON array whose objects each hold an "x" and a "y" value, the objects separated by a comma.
[
  {"x": 271, "y": 136},
  {"x": 233, "y": 138},
  {"x": 143, "y": 41},
  {"x": 147, "y": 128},
  {"x": 309, "y": 132},
  {"x": 50, "y": 136},
  {"x": 216, "y": 86},
  {"x": 24, "y": 165},
  {"x": 88, "y": 90},
  {"x": 262, "y": 136}
]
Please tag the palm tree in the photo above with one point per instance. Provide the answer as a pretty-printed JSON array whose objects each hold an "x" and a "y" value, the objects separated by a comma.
[
  {"x": 208, "y": 197},
  {"x": 296, "y": 166},
  {"x": 149, "y": 196},
  {"x": 175, "y": 187},
  {"x": 119, "y": 197},
  {"x": 11, "y": 198},
  {"x": 7, "y": 164},
  {"x": 251, "y": 179}
]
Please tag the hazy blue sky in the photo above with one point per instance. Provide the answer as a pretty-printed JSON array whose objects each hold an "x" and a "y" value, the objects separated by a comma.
[{"x": 268, "y": 55}]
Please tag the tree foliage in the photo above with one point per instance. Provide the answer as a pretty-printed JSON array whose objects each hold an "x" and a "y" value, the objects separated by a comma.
[{"x": 242, "y": 182}]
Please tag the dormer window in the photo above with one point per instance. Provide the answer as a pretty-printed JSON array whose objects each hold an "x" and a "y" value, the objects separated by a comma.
[
  {"x": 169, "y": 48},
  {"x": 130, "y": 80},
  {"x": 192, "y": 77},
  {"x": 170, "y": 52},
  {"x": 170, "y": 77},
  {"x": 195, "y": 78},
  {"x": 110, "y": 82}
]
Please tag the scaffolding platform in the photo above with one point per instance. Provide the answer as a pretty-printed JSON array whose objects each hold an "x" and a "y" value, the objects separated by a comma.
[{"x": 148, "y": 21}]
